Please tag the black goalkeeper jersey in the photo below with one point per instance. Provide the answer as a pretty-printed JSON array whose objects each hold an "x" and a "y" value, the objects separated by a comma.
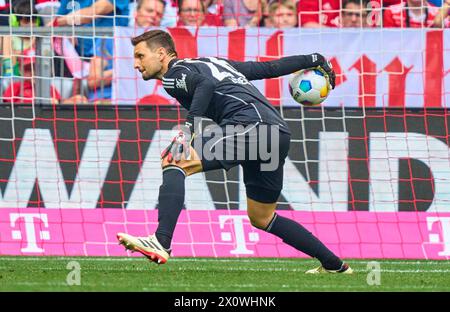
[{"x": 221, "y": 90}]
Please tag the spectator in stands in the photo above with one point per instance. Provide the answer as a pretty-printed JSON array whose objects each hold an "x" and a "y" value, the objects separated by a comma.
[
  {"x": 354, "y": 14},
  {"x": 4, "y": 12},
  {"x": 244, "y": 13},
  {"x": 7, "y": 5},
  {"x": 412, "y": 14},
  {"x": 149, "y": 13},
  {"x": 214, "y": 12},
  {"x": 19, "y": 59},
  {"x": 282, "y": 14},
  {"x": 193, "y": 13},
  {"x": 326, "y": 13},
  {"x": 47, "y": 9},
  {"x": 442, "y": 18},
  {"x": 313, "y": 13},
  {"x": 169, "y": 18},
  {"x": 213, "y": 6},
  {"x": 13, "y": 47},
  {"x": 101, "y": 71},
  {"x": 170, "y": 14},
  {"x": 100, "y": 13}
]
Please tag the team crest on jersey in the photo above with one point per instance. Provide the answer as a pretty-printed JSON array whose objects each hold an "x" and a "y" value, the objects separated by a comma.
[{"x": 181, "y": 83}]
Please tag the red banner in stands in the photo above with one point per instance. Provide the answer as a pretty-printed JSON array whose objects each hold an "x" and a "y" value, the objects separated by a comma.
[{"x": 375, "y": 68}]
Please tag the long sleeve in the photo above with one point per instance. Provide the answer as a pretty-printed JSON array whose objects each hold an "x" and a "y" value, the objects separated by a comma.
[
  {"x": 185, "y": 84},
  {"x": 272, "y": 69}
]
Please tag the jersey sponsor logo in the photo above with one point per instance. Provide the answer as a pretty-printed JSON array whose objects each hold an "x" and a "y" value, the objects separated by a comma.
[
  {"x": 181, "y": 82},
  {"x": 239, "y": 80}
]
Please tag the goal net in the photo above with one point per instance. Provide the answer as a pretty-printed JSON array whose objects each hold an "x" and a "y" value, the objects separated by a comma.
[{"x": 81, "y": 133}]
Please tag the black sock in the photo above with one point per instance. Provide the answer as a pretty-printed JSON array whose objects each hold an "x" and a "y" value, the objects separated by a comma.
[
  {"x": 295, "y": 235},
  {"x": 170, "y": 203}
]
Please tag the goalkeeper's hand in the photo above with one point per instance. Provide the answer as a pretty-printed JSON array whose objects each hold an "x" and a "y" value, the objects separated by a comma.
[
  {"x": 322, "y": 64},
  {"x": 180, "y": 145}
]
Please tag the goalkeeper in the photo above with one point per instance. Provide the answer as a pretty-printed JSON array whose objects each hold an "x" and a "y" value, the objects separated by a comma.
[{"x": 220, "y": 90}]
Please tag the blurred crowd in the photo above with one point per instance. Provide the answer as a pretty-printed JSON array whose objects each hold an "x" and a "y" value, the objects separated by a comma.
[
  {"x": 241, "y": 13},
  {"x": 18, "y": 56}
]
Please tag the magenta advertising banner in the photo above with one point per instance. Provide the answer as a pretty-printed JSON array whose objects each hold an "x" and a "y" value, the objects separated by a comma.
[{"x": 79, "y": 232}]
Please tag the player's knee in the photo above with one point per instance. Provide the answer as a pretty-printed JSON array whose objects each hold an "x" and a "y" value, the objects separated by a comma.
[
  {"x": 256, "y": 221},
  {"x": 260, "y": 214},
  {"x": 260, "y": 221},
  {"x": 189, "y": 167}
]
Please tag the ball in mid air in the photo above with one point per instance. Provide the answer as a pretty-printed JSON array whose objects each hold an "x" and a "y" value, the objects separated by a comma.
[{"x": 309, "y": 87}]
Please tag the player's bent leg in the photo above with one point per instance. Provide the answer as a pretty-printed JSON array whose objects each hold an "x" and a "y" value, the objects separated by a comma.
[
  {"x": 172, "y": 194},
  {"x": 261, "y": 211},
  {"x": 170, "y": 203},
  {"x": 261, "y": 205},
  {"x": 260, "y": 214}
]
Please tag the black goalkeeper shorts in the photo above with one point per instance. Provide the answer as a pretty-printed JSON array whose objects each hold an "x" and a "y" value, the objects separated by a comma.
[{"x": 260, "y": 149}]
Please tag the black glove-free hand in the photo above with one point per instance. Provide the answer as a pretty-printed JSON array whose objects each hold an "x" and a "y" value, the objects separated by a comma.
[{"x": 322, "y": 64}]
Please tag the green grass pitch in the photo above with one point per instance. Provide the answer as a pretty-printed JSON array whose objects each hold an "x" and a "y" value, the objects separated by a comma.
[{"x": 207, "y": 274}]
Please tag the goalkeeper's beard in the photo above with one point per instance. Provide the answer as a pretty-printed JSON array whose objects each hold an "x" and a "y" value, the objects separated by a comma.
[{"x": 149, "y": 77}]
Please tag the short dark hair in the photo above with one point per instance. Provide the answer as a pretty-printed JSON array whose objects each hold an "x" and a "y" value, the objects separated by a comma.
[
  {"x": 362, "y": 3},
  {"x": 156, "y": 38},
  {"x": 24, "y": 9}
]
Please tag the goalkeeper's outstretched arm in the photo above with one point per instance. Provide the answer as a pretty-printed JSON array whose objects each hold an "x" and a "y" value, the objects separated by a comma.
[{"x": 284, "y": 66}]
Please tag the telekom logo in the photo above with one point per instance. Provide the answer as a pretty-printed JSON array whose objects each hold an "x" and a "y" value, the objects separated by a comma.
[
  {"x": 434, "y": 238},
  {"x": 30, "y": 232},
  {"x": 239, "y": 234}
]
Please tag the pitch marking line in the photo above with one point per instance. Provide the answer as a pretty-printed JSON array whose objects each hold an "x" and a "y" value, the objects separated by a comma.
[{"x": 250, "y": 260}]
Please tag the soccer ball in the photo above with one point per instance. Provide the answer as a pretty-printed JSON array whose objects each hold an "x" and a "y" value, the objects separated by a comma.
[{"x": 309, "y": 87}]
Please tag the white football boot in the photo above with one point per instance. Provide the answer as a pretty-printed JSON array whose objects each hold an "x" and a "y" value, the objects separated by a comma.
[
  {"x": 345, "y": 269},
  {"x": 148, "y": 246}
]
